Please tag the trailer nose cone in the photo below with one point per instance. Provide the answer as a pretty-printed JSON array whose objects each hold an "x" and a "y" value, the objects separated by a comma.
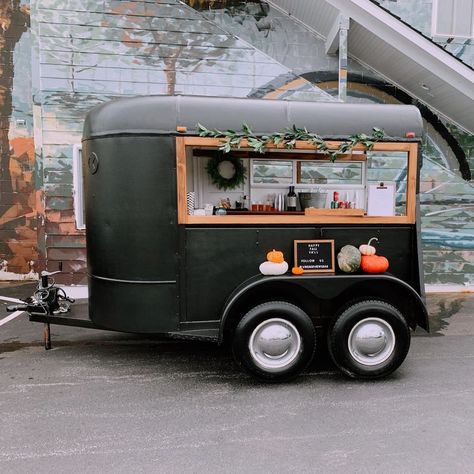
[
  {"x": 371, "y": 341},
  {"x": 274, "y": 344}
]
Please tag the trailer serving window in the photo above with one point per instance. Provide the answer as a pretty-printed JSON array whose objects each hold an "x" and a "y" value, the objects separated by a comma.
[{"x": 376, "y": 186}]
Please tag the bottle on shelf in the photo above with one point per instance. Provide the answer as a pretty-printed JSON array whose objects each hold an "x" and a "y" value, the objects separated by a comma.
[
  {"x": 291, "y": 200},
  {"x": 279, "y": 202},
  {"x": 268, "y": 204},
  {"x": 245, "y": 202}
]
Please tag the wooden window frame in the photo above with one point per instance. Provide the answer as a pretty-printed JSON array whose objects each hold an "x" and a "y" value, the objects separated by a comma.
[{"x": 183, "y": 144}]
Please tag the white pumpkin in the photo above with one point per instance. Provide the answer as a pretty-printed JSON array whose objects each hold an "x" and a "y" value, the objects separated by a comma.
[
  {"x": 367, "y": 249},
  {"x": 270, "y": 268}
]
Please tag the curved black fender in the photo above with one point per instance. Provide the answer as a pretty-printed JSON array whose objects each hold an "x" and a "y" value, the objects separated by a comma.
[{"x": 329, "y": 287}]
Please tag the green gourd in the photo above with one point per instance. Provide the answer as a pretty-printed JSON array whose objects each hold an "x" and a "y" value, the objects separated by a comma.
[{"x": 348, "y": 259}]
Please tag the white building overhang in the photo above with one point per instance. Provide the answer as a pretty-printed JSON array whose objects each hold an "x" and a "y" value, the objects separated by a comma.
[{"x": 396, "y": 52}]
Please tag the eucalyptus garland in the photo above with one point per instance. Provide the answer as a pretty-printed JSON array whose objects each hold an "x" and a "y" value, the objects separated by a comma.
[
  {"x": 217, "y": 179},
  {"x": 288, "y": 138}
]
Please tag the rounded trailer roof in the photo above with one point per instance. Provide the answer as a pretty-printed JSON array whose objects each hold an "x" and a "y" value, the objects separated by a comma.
[{"x": 331, "y": 120}]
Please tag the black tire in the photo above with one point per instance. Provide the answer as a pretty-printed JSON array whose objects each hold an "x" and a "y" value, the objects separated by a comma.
[
  {"x": 350, "y": 345},
  {"x": 292, "y": 352}
]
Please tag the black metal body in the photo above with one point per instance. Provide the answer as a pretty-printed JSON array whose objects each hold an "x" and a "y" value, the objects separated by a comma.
[
  {"x": 220, "y": 267},
  {"x": 150, "y": 275}
]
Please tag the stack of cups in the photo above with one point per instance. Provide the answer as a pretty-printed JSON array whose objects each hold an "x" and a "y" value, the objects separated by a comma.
[{"x": 191, "y": 199}]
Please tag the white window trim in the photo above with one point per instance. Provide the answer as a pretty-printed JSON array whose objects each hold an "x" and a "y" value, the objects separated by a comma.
[
  {"x": 78, "y": 186},
  {"x": 434, "y": 26}
]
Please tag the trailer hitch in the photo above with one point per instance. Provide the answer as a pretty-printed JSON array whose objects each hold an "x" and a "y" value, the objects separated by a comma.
[{"x": 48, "y": 299}]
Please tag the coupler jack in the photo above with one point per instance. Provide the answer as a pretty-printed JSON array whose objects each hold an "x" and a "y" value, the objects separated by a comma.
[{"x": 48, "y": 299}]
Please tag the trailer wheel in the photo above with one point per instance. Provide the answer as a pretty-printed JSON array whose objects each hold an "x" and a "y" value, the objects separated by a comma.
[
  {"x": 274, "y": 341},
  {"x": 369, "y": 339}
]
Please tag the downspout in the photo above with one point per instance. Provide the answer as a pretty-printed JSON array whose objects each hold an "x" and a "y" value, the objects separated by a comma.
[{"x": 343, "y": 47}]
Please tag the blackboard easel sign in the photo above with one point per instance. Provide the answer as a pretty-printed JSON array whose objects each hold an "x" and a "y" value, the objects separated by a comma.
[{"x": 315, "y": 256}]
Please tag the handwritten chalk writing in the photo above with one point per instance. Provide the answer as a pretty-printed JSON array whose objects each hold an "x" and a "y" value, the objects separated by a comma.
[{"x": 315, "y": 255}]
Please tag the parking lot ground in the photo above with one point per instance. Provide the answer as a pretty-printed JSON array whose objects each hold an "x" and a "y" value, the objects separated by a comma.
[{"x": 102, "y": 402}]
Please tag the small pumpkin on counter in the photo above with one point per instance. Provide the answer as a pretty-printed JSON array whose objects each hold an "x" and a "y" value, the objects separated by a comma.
[
  {"x": 275, "y": 256},
  {"x": 348, "y": 259},
  {"x": 275, "y": 264},
  {"x": 374, "y": 264},
  {"x": 297, "y": 270},
  {"x": 272, "y": 268},
  {"x": 371, "y": 263},
  {"x": 367, "y": 249}
]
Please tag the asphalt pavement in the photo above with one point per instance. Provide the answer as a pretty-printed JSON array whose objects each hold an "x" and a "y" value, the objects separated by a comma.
[{"x": 102, "y": 402}]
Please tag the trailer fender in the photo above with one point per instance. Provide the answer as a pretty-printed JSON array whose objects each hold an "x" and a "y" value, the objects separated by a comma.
[{"x": 327, "y": 287}]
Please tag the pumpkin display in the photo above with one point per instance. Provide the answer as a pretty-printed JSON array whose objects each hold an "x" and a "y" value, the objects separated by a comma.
[
  {"x": 297, "y": 270},
  {"x": 275, "y": 264},
  {"x": 374, "y": 264},
  {"x": 367, "y": 249},
  {"x": 275, "y": 256},
  {"x": 348, "y": 259},
  {"x": 272, "y": 268}
]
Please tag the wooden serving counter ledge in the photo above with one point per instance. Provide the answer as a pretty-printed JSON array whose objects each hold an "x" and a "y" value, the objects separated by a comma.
[
  {"x": 311, "y": 211},
  {"x": 277, "y": 218}
]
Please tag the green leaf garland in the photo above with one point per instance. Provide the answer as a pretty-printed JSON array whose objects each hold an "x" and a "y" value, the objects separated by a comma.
[{"x": 288, "y": 138}]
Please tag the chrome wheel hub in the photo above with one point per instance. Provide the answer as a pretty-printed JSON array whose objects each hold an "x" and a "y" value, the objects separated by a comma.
[
  {"x": 274, "y": 344},
  {"x": 371, "y": 341}
]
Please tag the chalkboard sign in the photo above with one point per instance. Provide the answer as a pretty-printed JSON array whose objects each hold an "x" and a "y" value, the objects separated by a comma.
[{"x": 315, "y": 255}]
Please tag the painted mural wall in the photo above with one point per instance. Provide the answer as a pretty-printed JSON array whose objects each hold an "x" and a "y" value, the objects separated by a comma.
[
  {"x": 20, "y": 196},
  {"x": 446, "y": 197},
  {"x": 448, "y": 220},
  {"x": 86, "y": 52},
  {"x": 90, "y": 52}
]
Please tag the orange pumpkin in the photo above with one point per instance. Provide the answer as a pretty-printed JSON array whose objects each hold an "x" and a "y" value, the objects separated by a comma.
[
  {"x": 297, "y": 270},
  {"x": 275, "y": 256},
  {"x": 373, "y": 264}
]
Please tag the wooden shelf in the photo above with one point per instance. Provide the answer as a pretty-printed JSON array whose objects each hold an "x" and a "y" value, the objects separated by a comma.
[
  {"x": 311, "y": 211},
  {"x": 234, "y": 212}
]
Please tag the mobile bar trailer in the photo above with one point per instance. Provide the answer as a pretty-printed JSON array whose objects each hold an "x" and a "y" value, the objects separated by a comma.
[{"x": 165, "y": 257}]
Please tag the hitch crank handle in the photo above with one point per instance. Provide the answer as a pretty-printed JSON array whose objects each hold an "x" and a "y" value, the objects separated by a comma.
[{"x": 44, "y": 278}]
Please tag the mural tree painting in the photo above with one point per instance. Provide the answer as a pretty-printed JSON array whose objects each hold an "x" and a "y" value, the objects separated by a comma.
[{"x": 14, "y": 21}]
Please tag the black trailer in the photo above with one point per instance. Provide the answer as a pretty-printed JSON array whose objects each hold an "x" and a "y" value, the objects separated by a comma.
[{"x": 158, "y": 267}]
